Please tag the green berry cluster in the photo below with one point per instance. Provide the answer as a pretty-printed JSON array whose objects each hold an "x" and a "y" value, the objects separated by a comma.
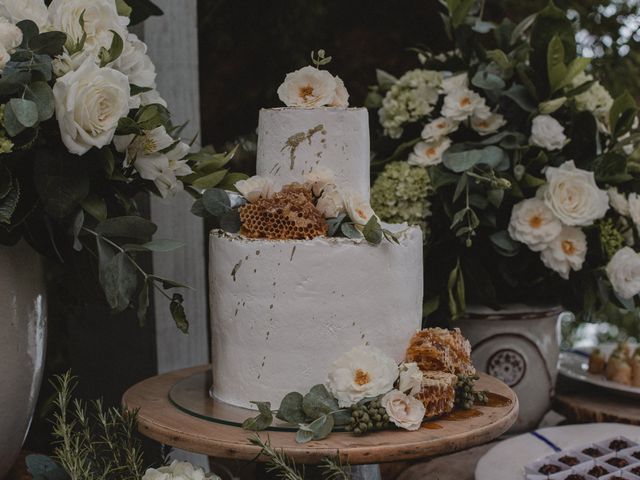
[
  {"x": 370, "y": 417},
  {"x": 466, "y": 395}
]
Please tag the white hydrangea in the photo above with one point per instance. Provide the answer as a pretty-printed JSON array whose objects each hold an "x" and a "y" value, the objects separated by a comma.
[
  {"x": 411, "y": 98},
  {"x": 596, "y": 99},
  {"x": 547, "y": 133}
]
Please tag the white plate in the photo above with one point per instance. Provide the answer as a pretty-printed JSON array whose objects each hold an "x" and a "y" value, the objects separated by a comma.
[
  {"x": 507, "y": 459},
  {"x": 576, "y": 366}
]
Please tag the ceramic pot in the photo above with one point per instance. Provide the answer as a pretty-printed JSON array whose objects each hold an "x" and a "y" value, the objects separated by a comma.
[
  {"x": 23, "y": 327},
  {"x": 520, "y": 345}
]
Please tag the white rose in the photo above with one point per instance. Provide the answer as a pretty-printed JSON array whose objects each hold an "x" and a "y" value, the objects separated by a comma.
[
  {"x": 438, "y": 128},
  {"x": 624, "y": 273},
  {"x": 136, "y": 64},
  {"x": 488, "y": 124},
  {"x": 101, "y": 21},
  {"x": 341, "y": 95},
  {"x": 618, "y": 201},
  {"x": 634, "y": 208},
  {"x": 404, "y": 411},
  {"x": 410, "y": 378},
  {"x": 256, "y": 187},
  {"x": 455, "y": 82},
  {"x": 429, "y": 153},
  {"x": 18, "y": 10},
  {"x": 534, "y": 224},
  {"x": 89, "y": 103},
  {"x": 566, "y": 252},
  {"x": 547, "y": 133},
  {"x": 320, "y": 178},
  {"x": 573, "y": 196},
  {"x": 330, "y": 204},
  {"x": 66, "y": 63},
  {"x": 178, "y": 471},
  {"x": 363, "y": 372},
  {"x": 358, "y": 208},
  {"x": 462, "y": 103},
  {"x": 4, "y": 57},
  {"x": 308, "y": 87},
  {"x": 10, "y": 35}
]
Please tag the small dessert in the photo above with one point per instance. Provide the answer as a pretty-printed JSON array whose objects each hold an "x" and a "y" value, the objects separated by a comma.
[
  {"x": 549, "y": 469},
  {"x": 619, "y": 369},
  {"x": 617, "y": 477},
  {"x": 618, "y": 462},
  {"x": 593, "y": 452},
  {"x": 636, "y": 471},
  {"x": 567, "y": 460},
  {"x": 597, "y": 362},
  {"x": 618, "y": 445},
  {"x": 575, "y": 476},
  {"x": 636, "y": 454},
  {"x": 598, "y": 471}
]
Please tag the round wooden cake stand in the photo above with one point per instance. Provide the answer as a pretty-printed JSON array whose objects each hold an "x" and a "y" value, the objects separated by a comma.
[
  {"x": 597, "y": 406},
  {"x": 160, "y": 420}
]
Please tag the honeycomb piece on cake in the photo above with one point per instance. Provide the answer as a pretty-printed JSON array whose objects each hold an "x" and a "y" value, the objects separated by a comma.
[
  {"x": 441, "y": 350},
  {"x": 438, "y": 393},
  {"x": 289, "y": 215}
]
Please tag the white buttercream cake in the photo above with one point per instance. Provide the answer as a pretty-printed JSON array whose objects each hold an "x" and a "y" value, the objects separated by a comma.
[{"x": 283, "y": 310}]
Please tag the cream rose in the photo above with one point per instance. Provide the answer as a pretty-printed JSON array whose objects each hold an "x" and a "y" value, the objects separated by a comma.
[
  {"x": 404, "y": 411},
  {"x": 438, "y": 128},
  {"x": 319, "y": 178},
  {"x": 341, "y": 95},
  {"x": 363, "y": 372},
  {"x": 566, "y": 252},
  {"x": 330, "y": 204},
  {"x": 547, "y": 133},
  {"x": 18, "y": 10},
  {"x": 634, "y": 208},
  {"x": 358, "y": 209},
  {"x": 178, "y": 471},
  {"x": 256, "y": 187},
  {"x": 101, "y": 21},
  {"x": 410, "y": 378},
  {"x": 623, "y": 271},
  {"x": 136, "y": 64},
  {"x": 308, "y": 87},
  {"x": 426, "y": 154},
  {"x": 573, "y": 196},
  {"x": 534, "y": 224},
  {"x": 462, "y": 103},
  {"x": 10, "y": 35},
  {"x": 486, "y": 125},
  {"x": 618, "y": 201},
  {"x": 89, "y": 103}
]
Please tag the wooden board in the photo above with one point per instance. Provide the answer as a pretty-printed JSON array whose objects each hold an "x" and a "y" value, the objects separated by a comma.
[
  {"x": 593, "y": 405},
  {"x": 161, "y": 421}
]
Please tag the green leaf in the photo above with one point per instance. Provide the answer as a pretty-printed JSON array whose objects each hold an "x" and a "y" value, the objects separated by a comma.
[
  {"x": 304, "y": 434},
  {"x": 95, "y": 206},
  {"x": 20, "y": 114},
  {"x": 372, "y": 231},
  {"x": 521, "y": 96},
  {"x": 62, "y": 183},
  {"x": 216, "y": 202},
  {"x": 230, "y": 221},
  {"x": 211, "y": 180},
  {"x": 461, "y": 186},
  {"x": 166, "y": 283},
  {"x": 127, "y": 227},
  {"x": 198, "y": 209},
  {"x": 521, "y": 28},
  {"x": 128, "y": 126},
  {"x": 177, "y": 312},
  {"x": 504, "y": 244},
  {"x": 48, "y": 43},
  {"x": 29, "y": 31},
  {"x": 230, "y": 181},
  {"x": 611, "y": 168},
  {"x": 495, "y": 197},
  {"x": 575, "y": 68},
  {"x": 491, "y": 156},
  {"x": 41, "y": 94},
  {"x": 390, "y": 236},
  {"x": 262, "y": 421},
  {"x": 349, "y": 230},
  {"x": 322, "y": 427},
  {"x": 556, "y": 68},
  {"x": 43, "y": 468},
  {"x": 124, "y": 10},
  {"x": 143, "y": 9},
  {"x": 14, "y": 83},
  {"x": 291, "y": 409},
  {"x": 318, "y": 402},
  {"x": 163, "y": 245},
  {"x": 550, "y": 106},
  {"x": 500, "y": 58},
  {"x": 430, "y": 306},
  {"x": 143, "y": 303},
  {"x": 119, "y": 280},
  {"x": 487, "y": 81},
  {"x": 152, "y": 116},
  {"x": 9, "y": 202},
  {"x": 622, "y": 114},
  {"x": 114, "y": 51},
  {"x": 458, "y": 11},
  {"x": 455, "y": 288}
]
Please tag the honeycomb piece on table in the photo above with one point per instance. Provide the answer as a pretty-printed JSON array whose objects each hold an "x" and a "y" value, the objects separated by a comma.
[
  {"x": 289, "y": 215},
  {"x": 441, "y": 350},
  {"x": 438, "y": 393}
]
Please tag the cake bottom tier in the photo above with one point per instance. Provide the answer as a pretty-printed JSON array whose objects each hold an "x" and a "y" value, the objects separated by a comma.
[{"x": 283, "y": 311}]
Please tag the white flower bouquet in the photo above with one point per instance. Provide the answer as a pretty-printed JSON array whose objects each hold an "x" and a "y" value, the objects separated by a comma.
[
  {"x": 83, "y": 131},
  {"x": 533, "y": 168}
]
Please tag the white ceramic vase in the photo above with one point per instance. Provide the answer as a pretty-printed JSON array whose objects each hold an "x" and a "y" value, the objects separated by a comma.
[
  {"x": 23, "y": 327},
  {"x": 520, "y": 345}
]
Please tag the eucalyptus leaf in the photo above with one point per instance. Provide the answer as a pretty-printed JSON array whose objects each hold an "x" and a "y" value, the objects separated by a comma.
[
  {"x": 520, "y": 94},
  {"x": 119, "y": 280},
  {"x": 504, "y": 244},
  {"x": 262, "y": 421},
  {"x": 318, "y": 402},
  {"x": 48, "y": 43},
  {"x": 349, "y": 230},
  {"x": 62, "y": 183},
  {"x": 211, "y": 180},
  {"x": 127, "y": 227},
  {"x": 44, "y": 468},
  {"x": 487, "y": 81},
  {"x": 290, "y": 409},
  {"x": 322, "y": 427},
  {"x": 304, "y": 435},
  {"x": 177, "y": 312},
  {"x": 500, "y": 58},
  {"x": 216, "y": 202},
  {"x": 230, "y": 221},
  {"x": 9, "y": 203},
  {"x": 13, "y": 83},
  {"x": 334, "y": 224},
  {"x": 372, "y": 231},
  {"x": 143, "y": 303},
  {"x": 20, "y": 114},
  {"x": 95, "y": 206},
  {"x": 41, "y": 95},
  {"x": 163, "y": 245}
]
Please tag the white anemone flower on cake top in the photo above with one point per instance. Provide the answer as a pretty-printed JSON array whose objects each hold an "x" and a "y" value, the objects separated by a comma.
[
  {"x": 566, "y": 252},
  {"x": 573, "y": 196},
  {"x": 363, "y": 372},
  {"x": 319, "y": 178},
  {"x": 623, "y": 271},
  {"x": 438, "y": 128},
  {"x": 357, "y": 207},
  {"x": 256, "y": 187},
  {"x": 534, "y": 224},
  {"x": 331, "y": 203},
  {"x": 308, "y": 87},
  {"x": 426, "y": 154},
  {"x": 405, "y": 411},
  {"x": 341, "y": 95}
]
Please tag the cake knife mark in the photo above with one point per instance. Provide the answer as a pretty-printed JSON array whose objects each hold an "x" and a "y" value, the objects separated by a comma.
[
  {"x": 295, "y": 140},
  {"x": 293, "y": 252},
  {"x": 235, "y": 270}
]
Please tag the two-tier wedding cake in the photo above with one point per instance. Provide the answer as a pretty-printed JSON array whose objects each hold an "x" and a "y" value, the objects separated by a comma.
[{"x": 283, "y": 309}]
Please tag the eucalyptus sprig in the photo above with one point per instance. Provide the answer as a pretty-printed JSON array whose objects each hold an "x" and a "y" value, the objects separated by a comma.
[{"x": 320, "y": 59}]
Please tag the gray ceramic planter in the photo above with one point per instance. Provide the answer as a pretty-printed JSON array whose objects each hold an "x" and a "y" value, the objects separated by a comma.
[{"x": 23, "y": 327}]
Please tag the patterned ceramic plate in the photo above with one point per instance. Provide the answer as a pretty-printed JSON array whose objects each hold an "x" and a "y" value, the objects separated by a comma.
[{"x": 575, "y": 365}]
